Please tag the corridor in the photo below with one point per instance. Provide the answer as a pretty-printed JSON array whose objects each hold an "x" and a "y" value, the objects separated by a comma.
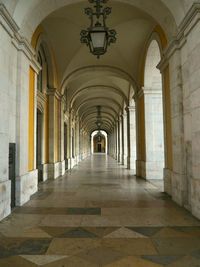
[{"x": 99, "y": 214}]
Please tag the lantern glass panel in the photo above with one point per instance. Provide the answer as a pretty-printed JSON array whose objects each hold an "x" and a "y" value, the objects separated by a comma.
[{"x": 98, "y": 39}]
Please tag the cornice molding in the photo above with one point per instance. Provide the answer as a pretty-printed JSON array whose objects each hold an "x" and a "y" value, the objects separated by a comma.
[
  {"x": 54, "y": 92},
  {"x": 139, "y": 94},
  {"x": 190, "y": 20},
  {"x": 151, "y": 91},
  {"x": 7, "y": 21},
  {"x": 18, "y": 41},
  {"x": 41, "y": 98}
]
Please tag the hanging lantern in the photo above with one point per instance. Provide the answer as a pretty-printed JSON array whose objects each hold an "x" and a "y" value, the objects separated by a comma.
[{"x": 98, "y": 37}]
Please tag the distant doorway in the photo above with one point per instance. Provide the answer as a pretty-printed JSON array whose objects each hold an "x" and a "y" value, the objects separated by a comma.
[
  {"x": 99, "y": 143},
  {"x": 99, "y": 148}
]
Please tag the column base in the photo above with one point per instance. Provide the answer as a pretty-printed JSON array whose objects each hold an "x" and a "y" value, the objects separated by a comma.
[
  {"x": 141, "y": 169},
  {"x": 26, "y": 186},
  {"x": 167, "y": 175},
  {"x": 195, "y": 200},
  {"x": 124, "y": 160},
  {"x": 5, "y": 199},
  {"x": 77, "y": 159},
  {"x": 154, "y": 170},
  {"x": 119, "y": 158},
  {"x": 179, "y": 195},
  {"x": 71, "y": 162},
  {"x": 131, "y": 163},
  {"x": 54, "y": 170}
]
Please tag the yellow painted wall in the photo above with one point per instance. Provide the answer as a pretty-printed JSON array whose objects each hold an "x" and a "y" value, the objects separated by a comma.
[
  {"x": 141, "y": 125},
  {"x": 36, "y": 36},
  {"x": 56, "y": 130},
  {"x": 31, "y": 119},
  {"x": 167, "y": 107},
  {"x": 46, "y": 131}
]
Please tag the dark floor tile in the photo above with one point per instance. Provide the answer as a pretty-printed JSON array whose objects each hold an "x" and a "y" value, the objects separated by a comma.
[
  {"x": 56, "y": 231},
  {"x": 188, "y": 229},
  {"x": 196, "y": 254},
  {"x": 176, "y": 246},
  {"x": 147, "y": 231},
  {"x": 41, "y": 210},
  {"x": 161, "y": 259},
  {"x": 41, "y": 194},
  {"x": 84, "y": 211},
  {"x": 78, "y": 233},
  {"x": 11, "y": 247}
]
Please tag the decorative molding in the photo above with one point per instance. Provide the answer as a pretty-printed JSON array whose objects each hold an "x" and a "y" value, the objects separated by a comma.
[
  {"x": 54, "y": 92},
  {"x": 7, "y": 21},
  {"x": 139, "y": 94},
  {"x": 151, "y": 91},
  {"x": 130, "y": 108},
  {"x": 190, "y": 20},
  {"x": 18, "y": 41},
  {"x": 41, "y": 100}
]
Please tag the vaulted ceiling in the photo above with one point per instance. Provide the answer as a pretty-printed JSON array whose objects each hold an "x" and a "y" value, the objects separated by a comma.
[{"x": 89, "y": 82}]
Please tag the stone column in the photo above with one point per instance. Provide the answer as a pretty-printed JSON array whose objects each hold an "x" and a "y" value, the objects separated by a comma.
[
  {"x": 77, "y": 139},
  {"x": 70, "y": 129},
  {"x": 61, "y": 143},
  {"x": 154, "y": 133},
  {"x": 55, "y": 168},
  {"x": 119, "y": 133},
  {"x": 27, "y": 176},
  {"x": 179, "y": 178},
  {"x": 124, "y": 139},
  {"x": 116, "y": 142},
  {"x": 131, "y": 138}
]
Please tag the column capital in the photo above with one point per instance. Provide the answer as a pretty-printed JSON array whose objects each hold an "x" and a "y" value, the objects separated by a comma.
[
  {"x": 54, "y": 92},
  {"x": 139, "y": 93},
  {"x": 130, "y": 108},
  {"x": 152, "y": 91}
]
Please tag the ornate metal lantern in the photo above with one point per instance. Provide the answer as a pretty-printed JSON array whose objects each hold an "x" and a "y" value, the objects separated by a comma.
[
  {"x": 99, "y": 121},
  {"x": 98, "y": 37}
]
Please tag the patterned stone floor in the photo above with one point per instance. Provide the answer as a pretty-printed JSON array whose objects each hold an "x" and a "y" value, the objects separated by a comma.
[{"x": 99, "y": 215}]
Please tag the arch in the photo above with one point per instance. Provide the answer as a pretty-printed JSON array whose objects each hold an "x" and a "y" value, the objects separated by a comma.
[
  {"x": 153, "y": 110},
  {"x": 92, "y": 122},
  {"x": 111, "y": 88},
  {"x": 103, "y": 106},
  {"x": 95, "y": 113},
  {"x": 93, "y": 119},
  {"x": 94, "y": 98},
  {"x": 108, "y": 70},
  {"x": 152, "y": 76},
  {"x": 158, "y": 35},
  {"x": 43, "y": 43},
  {"x": 99, "y": 142},
  {"x": 22, "y": 11}
]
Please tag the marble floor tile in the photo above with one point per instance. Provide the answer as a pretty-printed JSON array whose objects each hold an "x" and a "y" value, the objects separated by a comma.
[
  {"x": 100, "y": 221},
  {"x": 62, "y": 220},
  {"x": 162, "y": 259},
  {"x": 131, "y": 261},
  {"x": 124, "y": 233},
  {"x": 186, "y": 261},
  {"x": 42, "y": 260},
  {"x": 176, "y": 245},
  {"x": 99, "y": 214},
  {"x": 136, "y": 246},
  {"x": 101, "y": 231},
  {"x": 71, "y": 246},
  {"x": 102, "y": 255},
  {"x": 84, "y": 211}
]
